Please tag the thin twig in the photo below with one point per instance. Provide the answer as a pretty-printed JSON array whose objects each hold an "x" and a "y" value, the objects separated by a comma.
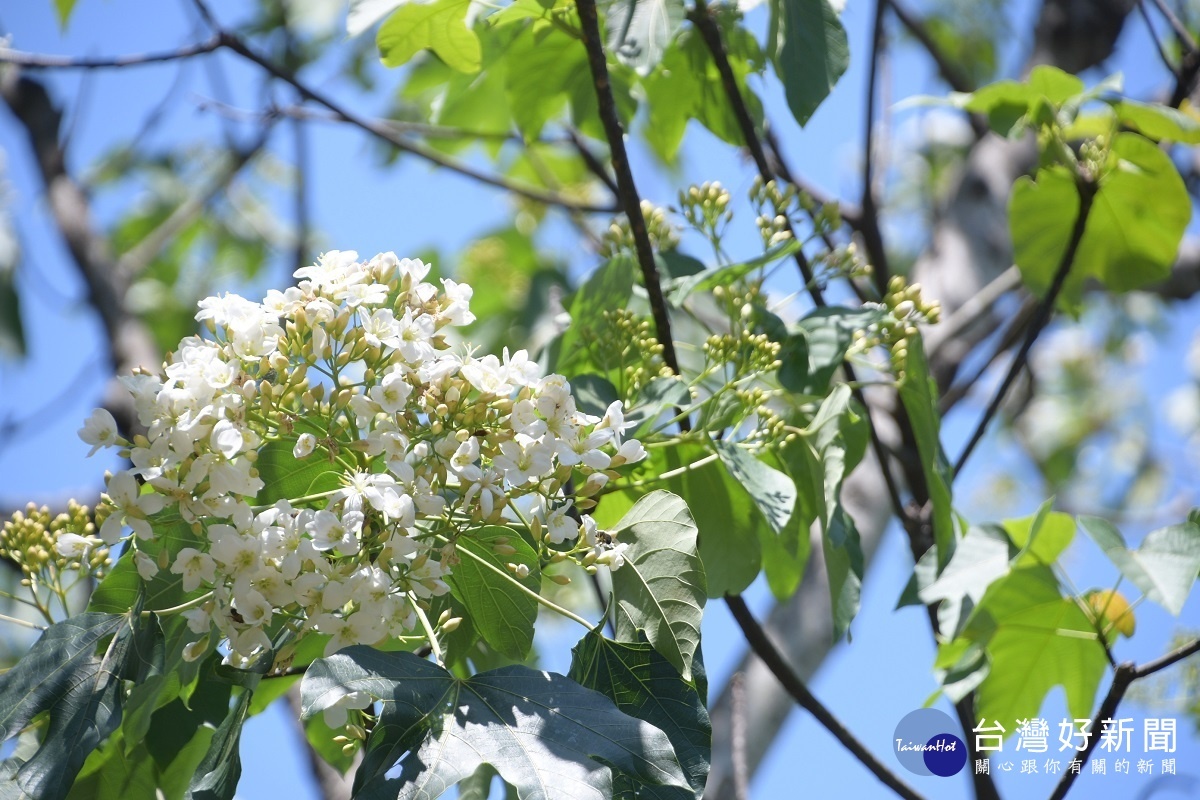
[
  {"x": 590, "y": 160},
  {"x": 770, "y": 655},
  {"x": 872, "y": 236},
  {"x": 960, "y": 389},
  {"x": 1158, "y": 45},
  {"x": 711, "y": 34},
  {"x": 631, "y": 204},
  {"x": 1185, "y": 36},
  {"x": 135, "y": 260},
  {"x": 1123, "y": 677},
  {"x": 949, "y": 71},
  {"x": 1086, "y": 192},
  {"x": 42, "y": 61}
]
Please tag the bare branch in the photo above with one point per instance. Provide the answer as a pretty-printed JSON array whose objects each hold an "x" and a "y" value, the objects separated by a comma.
[
  {"x": 1045, "y": 309},
  {"x": 949, "y": 71},
  {"x": 711, "y": 34},
  {"x": 631, "y": 204},
  {"x": 869, "y": 224},
  {"x": 39, "y": 61},
  {"x": 764, "y": 649}
]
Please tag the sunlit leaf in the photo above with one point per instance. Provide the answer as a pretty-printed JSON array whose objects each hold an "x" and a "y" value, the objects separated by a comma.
[
  {"x": 661, "y": 588},
  {"x": 502, "y": 614},
  {"x": 543, "y": 733}
]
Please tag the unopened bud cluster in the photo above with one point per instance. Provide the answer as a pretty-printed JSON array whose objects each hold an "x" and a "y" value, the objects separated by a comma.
[
  {"x": 618, "y": 239},
  {"x": 44, "y": 545},
  {"x": 706, "y": 208},
  {"x": 346, "y": 378},
  {"x": 626, "y": 342},
  {"x": 906, "y": 309}
]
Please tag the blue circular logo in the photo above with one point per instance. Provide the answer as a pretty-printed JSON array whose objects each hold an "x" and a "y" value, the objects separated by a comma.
[{"x": 924, "y": 745}]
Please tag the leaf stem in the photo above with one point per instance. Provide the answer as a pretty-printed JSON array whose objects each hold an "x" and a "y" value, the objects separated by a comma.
[
  {"x": 557, "y": 609},
  {"x": 791, "y": 682},
  {"x": 195, "y": 602},
  {"x": 429, "y": 632},
  {"x": 22, "y": 622}
]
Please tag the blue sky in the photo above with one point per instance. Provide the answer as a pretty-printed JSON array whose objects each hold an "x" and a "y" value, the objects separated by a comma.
[{"x": 358, "y": 205}]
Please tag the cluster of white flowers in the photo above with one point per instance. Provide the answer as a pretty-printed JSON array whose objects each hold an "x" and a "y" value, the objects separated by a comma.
[{"x": 349, "y": 369}]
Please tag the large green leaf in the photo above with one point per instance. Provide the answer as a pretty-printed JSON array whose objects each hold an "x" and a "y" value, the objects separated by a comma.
[
  {"x": 1164, "y": 567},
  {"x": 639, "y": 30},
  {"x": 918, "y": 393},
  {"x": 440, "y": 26},
  {"x": 83, "y": 692},
  {"x": 502, "y": 614},
  {"x": 1137, "y": 219},
  {"x": 543, "y": 733},
  {"x": 810, "y": 52},
  {"x": 217, "y": 776},
  {"x": 643, "y": 684},
  {"x": 286, "y": 477},
  {"x": 981, "y": 557},
  {"x": 1158, "y": 122},
  {"x": 661, "y": 587},
  {"x": 1042, "y": 537},
  {"x": 772, "y": 491},
  {"x": 687, "y": 85},
  {"x": 1035, "y": 639}
]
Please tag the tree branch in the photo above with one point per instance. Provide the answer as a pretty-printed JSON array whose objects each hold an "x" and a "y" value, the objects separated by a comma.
[
  {"x": 1123, "y": 677},
  {"x": 764, "y": 649},
  {"x": 869, "y": 223},
  {"x": 631, "y": 204},
  {"x": 39, "y": 61},
  {"x": 711, "y": 34},
  {"x": 1045, "y": 310}
]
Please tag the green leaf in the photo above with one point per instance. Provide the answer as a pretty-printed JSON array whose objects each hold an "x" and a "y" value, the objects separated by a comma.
[
  {"x": 83, "y": 692},
  {"x": 1035, "y": 639},
  {"x": 731, "y": 528},
  {"x": 1158, "y": 122},
  {"x": 593, "y": 394},
  {"x": 827, "y": 334},
  {"x": 772, "y": 491},
  {"x": 918, "y": 393},
  {"x": 727, "y": 274},
  {"x": 811, "y": 52},
  {"x": 363, "y": 14},
  {"x": 607, "y": 289},
  {"x": 286, "y": 477},
  {"x": 1133, "y": 230},
  {"x": 1042, "y": 537},
  {"x": 687, "y": 85},
  {"x": 981, "y": 557},
  {"x": 440, "y": 26},
  {"x": 639, "y": 30},
  {"x": 643, "y": 684},
  {"x": 844, "y": 563},
  {"x": 502, "y": 614},
  {"x": 63, "y": 9},
  {"x": 544, "y": 734},
  {"x": 217, "y": 776},
  {"x": 1164, "y": 567},
  {"x": 661, "y": 587},
  {"x": 1009, "y": 105}
]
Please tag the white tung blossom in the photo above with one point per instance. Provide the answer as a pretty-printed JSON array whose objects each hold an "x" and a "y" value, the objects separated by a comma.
[{"x": 418, "y": 446}]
